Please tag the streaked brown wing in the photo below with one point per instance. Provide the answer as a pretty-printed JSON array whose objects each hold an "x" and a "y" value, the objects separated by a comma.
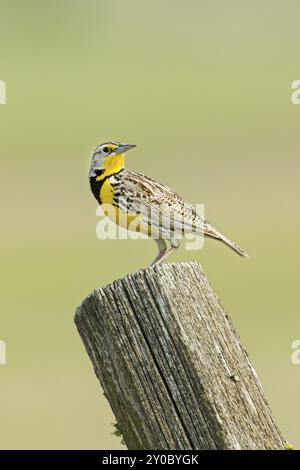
[{"x": 160, "y": 204}]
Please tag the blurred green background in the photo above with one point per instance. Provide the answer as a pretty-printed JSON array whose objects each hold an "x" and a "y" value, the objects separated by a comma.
[{"x": 204, "y": 89}]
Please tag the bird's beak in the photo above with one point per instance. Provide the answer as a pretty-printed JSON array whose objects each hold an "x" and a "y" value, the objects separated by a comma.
[{"x": 123, "y": 148}]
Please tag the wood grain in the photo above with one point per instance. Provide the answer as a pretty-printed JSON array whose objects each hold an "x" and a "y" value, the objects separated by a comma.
[{"x": 171, "y": 365}]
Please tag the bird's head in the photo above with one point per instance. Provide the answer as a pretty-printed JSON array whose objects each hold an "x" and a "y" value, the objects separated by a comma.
[{"x": 108, "y": 158}]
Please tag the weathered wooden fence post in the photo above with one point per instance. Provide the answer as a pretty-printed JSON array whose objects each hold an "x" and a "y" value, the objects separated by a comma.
[{"x": 171, "y": 365}]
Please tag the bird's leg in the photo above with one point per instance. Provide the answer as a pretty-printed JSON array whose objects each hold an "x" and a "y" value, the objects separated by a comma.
[
  {"x": 162, "y": 249},
  {"x": 174, "y": 246},
  {"x": 164, "y": 254}
]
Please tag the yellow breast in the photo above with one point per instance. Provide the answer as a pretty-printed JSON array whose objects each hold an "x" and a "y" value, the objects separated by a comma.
[{"x": 112, "y": 210}]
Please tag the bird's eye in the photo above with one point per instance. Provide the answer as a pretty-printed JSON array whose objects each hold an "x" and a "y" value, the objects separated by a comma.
[{"x": 106, "y": 149}]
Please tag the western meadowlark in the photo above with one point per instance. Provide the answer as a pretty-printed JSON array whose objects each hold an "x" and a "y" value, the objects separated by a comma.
[{"x": 142, "y": 204}]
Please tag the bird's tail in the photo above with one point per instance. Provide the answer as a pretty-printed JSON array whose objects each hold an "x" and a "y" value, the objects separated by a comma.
[{"x": 213, "y": 233}]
